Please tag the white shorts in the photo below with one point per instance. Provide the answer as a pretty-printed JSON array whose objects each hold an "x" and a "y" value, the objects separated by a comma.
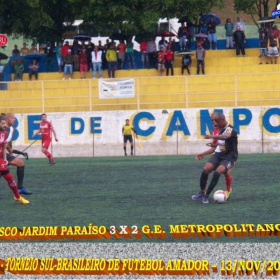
[{"x": 272, "y": 51}]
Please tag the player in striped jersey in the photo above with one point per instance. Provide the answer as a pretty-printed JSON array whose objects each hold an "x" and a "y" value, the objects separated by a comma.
[
  {"x": 15, "y": 161},
  {"x": 4, "y": 171}
]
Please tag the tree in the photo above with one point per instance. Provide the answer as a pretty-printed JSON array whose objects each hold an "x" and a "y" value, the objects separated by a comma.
[
  {"x": 38, "y": 19},
  {"x": 43, "y": 20},
  {"x": 132, "y": 16},
  {"x": 256, "y": 8}
]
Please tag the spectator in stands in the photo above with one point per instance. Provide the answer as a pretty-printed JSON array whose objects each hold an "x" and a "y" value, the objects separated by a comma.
[
  {"x": 182, "y": 36},
  {"x": 24, "y": 50},
  {"x": 203, "y": 27},
  {"x": 33, "y": 69},
  {"x": 229, "y": 34},
  {"x": 151, "y": 50},
  {"x": 163, "y": 43},
  {"x": 263, "y": 48},
  {"x": 262, "y": 30},
  {"x": 212, "y": 33},
  {"x": 33, "y": 49},
  {"x": 144, "y": 53},
  {"x": 96, "y": 57},
  {"x": 41, "y": 50},
  {"x": 172, "y": 44},
  {"x": 16, "y": 51},
  {"x": 239, "y": 40},
  {"x": 186, "y": 63},
  {"x": 90, "y": 48},
  {"x": 200, "y": 57},
  {"x": 130, "y": 53},
  {"x": 75, "y": 49},
  {"x": 190, "y": 32},
  {"x": 49, "y": 57},
  {"x": 269, "y": 29},
  {"x": 83, "y": 60},
  {"x": 19, "y": 68},
  {"x": 161, "y": 61},
  {"x": 104, "y": 60},
  {"x": 239, "y": 22},
  {"x": 276, "y": 32},
  {"x": 111, "y": 57},
  {"x": 64, "y": 51},
  {"x": 121, "y": 52},
  {"x": 273, "y": 48},
  {"x": 57, "y": 51},
  {"x": 169, "y": 60},
  {"x": 68, "y": 65}
]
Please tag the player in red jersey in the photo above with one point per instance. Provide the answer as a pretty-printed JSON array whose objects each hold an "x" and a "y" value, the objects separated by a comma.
[
  {"x": 46, "y": 129},
  {"x": 213, "y": 145},
  {"x": 4, "y": 171}
]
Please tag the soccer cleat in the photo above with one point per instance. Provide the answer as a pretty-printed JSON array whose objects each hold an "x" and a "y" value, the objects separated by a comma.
[
  {"x": 22, "y": 200},
  {"x": 51, "y": 161},
  {"x": 197, "y": 196},
  {"x": 205, "y": 198},
  {"x": 131, "y": 153},
  {"x": 228, "y": 192},
  {"x": 24, "y": 191}
]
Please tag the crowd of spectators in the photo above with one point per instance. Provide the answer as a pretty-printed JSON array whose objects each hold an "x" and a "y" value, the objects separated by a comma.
[{"x": 85, "y": 57}]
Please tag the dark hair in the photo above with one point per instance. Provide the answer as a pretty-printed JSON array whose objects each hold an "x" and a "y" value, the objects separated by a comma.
[
  {"x": 43, "y": 114},
  {"x": 2, "y": 118}
]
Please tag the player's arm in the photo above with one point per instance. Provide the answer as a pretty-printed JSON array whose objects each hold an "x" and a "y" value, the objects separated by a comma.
[
  {"x": 208, "y": 152},
  {"x": 17, "y": 152},
  {"x": 224, "y": 136},
  {"x": 54, "y": 134},
  {"x": 36, "y": 133},
  {"x": 4, "y": 145},
  {"x": 122, "y": 130}
]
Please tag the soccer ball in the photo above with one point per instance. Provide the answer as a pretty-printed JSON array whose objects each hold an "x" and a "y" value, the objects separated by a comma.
[{"x": 220, "y": 196}]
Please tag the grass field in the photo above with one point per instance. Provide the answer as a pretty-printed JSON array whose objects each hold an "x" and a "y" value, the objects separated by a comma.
[{"x": 141, "y": 191}]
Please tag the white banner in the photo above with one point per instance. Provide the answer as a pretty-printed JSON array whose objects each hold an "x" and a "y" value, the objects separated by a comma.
[{"x": 117, "y": 88}]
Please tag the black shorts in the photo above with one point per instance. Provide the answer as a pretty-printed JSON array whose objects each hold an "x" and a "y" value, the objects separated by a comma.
[
  {"x": 10, "y": 157},
  {"x": 216, "y": 161},
  {"x": 127, "y": 138}
]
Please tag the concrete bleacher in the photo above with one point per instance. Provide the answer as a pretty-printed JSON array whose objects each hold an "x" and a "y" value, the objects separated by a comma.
[{"x": 229, "y": 81}]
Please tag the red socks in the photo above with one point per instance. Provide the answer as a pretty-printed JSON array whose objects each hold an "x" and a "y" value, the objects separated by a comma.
[
  {"x": 228, "y": 179},
  {"x": 12, "y": 184},
  {"x": 49, "y": 155}
]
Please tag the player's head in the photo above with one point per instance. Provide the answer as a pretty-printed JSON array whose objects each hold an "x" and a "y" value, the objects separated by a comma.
[
  {"x": 220, "y": 120},
  {"x": 213, "y": 119},
  {"x": 2, "y": 122},
  {"x": 127, "y": 121},
  {"x": 10, "y": 119},
  {"x": 43, "y": 117}
]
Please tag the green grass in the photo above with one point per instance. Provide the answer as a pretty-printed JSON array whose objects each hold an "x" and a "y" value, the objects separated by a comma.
[{"x": 141, "y": 191}]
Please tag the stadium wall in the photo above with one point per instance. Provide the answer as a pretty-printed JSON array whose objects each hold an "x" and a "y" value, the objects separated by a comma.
[{"x": 161, "y": 132}]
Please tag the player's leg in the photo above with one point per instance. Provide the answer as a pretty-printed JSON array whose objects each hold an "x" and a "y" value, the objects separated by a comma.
[
  {"x": 124, "y": 144},
  {"x": 13, "y": 186},
  {"x": 221, "y": 169},
  {"x": 131, "y": 144},
  {"x": 228, "y": 179},
  {"x": 45, "y": 146},
  {"x": 20, "y": 172},
  {"x": 207, "y": 169}
]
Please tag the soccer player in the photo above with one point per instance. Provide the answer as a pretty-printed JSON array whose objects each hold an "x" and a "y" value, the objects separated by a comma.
[
  {"x": 15, "y": 161},
  {"x": 46, "y": 129},
  {"x": 4, "y": 171},
  {"x": 127, "y": 136},
  {"x": 225, "y": 156},
  {"x": 213, "y": 145}
]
